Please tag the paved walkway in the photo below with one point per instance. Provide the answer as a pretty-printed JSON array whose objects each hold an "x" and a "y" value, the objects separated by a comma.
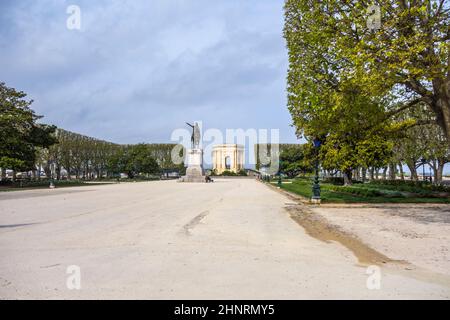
[{"x": 232, "y": 239}]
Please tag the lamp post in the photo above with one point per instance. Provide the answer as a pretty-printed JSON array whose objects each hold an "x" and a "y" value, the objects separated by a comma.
[
  {"x": 279, "y": 175},
  {"x": 316, "y": 186}
]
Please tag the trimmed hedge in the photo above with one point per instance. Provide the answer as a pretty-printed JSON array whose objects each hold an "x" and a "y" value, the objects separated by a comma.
[
  {"x": 338, "y": 181},
  {"x": 363, "y": 192},
  {"x": 410, "y": 185},
  {"x": 382, "y": 191}
]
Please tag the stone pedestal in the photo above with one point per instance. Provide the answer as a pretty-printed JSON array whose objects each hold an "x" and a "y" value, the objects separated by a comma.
[{"x": 194, "y": 171}]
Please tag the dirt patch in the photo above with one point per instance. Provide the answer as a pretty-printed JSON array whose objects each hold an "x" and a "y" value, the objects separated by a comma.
[
  {"x": 319, "y": 228},
  {"x": 195, "y": 221}
]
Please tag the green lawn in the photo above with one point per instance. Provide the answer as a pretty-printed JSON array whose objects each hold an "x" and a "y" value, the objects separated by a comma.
[{"x": 364, "y": 193}]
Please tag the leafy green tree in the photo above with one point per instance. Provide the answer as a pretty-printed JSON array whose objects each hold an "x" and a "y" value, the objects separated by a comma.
[
  {"x": 348, "y": 82},
  {"x": 142, "y": 161},
  {"x": 20, "y": 134},
  {"x": 424, "y": 142},
  {"x": 134, "y": 160},
  {"x": 296, "y": 159},
  {"x": 406, "y": 58},
  {"x": 437, "y": 150}
]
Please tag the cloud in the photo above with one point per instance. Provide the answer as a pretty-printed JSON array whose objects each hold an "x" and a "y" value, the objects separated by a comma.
[{"x": 138, "y": 69}]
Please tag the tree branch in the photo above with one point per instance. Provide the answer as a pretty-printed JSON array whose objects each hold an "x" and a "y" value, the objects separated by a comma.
[{"x": 404, "y": 107}]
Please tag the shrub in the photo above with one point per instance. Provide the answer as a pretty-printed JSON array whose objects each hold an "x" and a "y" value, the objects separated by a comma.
[
  {"x": 364, "y": 192},
  {"x": 228, "y": 173},
  {"x": 338, "y": 181},
  {"x": 242, "y": 173},
  {"x": 367, "y": 191},
  {"x": 412, "y": 186}
]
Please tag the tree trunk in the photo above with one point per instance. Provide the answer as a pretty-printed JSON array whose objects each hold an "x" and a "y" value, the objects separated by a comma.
[
  {"x": 413, "y": 170},
  {"x": 47, "y": 171},
  {"x": 371, "y": 174},
  {"x": 383, "y": 176},
  {"x": 392, "y": 171},
  {"x": 3, "y": 174},
  {"x": 441, "y": 104},
  {"x": 438, "y": 170},
  {"x": 363, "y": 174},
  {"x": 402, "y": 174},
  {"x": 358, "y": 174},
  {"x": 347, "y": 177}
]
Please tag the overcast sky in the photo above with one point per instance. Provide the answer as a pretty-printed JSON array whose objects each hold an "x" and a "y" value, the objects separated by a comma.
[{"x": 137, "y": 70}]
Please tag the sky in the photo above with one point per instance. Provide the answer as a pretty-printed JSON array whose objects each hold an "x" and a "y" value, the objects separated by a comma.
[{"x": 136, "y": 71}]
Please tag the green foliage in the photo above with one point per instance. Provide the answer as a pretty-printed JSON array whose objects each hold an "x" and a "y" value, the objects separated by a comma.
[
  {"x": 6, "y": 162},
  {"x": 134, "y": 160},
  {"x": 300, "y": 156},
  {"x": 83, "y": 156},
  {"x": 20, "y": 134},
  {"x": 296, "y": 159},
  {"x": 409, "y": 186},
  {"x": 426, "y": 141},
  {"x": 364, "y": 192},
  {"x": 347, "y": 83},
  {"x": 323, "y": 99},
  {"x": 242, "y": 173},
  {"x": 346, "y": 152},
  {"x": 228, "y": 173},
  {"x": 334, "y": 57},
  {"x": 25, "y": 145}
]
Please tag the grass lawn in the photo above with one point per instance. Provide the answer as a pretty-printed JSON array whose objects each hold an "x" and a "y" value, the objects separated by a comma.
[{"x": 378, "y": 193}]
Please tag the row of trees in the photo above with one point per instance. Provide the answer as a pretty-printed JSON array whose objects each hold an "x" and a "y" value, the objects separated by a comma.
[
  {"x": 88, "y": 158},
  {"x": 147, "y": 159},
  {"x": 75, "y": 155},
  {"x": 27, "y": 146},
  {"x": 374, "y": 96},
  {"x": 290, "y": 159}
]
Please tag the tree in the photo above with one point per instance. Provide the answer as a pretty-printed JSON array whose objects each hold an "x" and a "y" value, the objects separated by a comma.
[
  {"x": 294, "y": 160},
  {"x": 437, "y": 151},
  {"x": 407, "y": 58},
  {"x": 347, "y": 83},
  {"x": 142, "y": 161},
  {"x": 134, "y": 160},
  {"x": 20, "y": 134}
]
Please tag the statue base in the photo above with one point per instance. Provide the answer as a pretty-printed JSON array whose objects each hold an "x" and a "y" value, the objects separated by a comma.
[{"x": 194, "y": 171}]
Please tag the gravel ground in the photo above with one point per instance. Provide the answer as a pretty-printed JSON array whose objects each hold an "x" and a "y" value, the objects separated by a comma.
[
  {"x": 232, "y": 239},
  {"x": 417, "y": 233}
]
